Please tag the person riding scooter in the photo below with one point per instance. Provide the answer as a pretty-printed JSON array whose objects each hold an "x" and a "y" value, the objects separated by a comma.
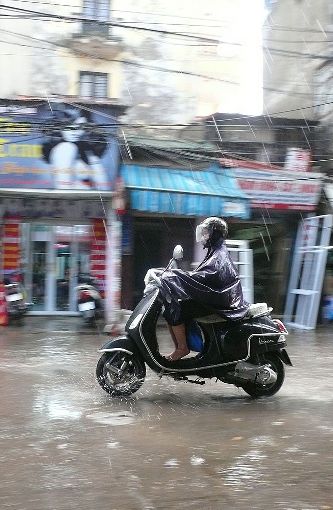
[
  {"x": 213, "y": 287},
  {"x": 246, "y": 350}
]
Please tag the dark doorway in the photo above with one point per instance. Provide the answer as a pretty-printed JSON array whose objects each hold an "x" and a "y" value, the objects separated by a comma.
[{"x": 148, "y": 253}]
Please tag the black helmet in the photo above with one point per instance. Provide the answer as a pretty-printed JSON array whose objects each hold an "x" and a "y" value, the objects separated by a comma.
[{"x": 211, "y": 230}]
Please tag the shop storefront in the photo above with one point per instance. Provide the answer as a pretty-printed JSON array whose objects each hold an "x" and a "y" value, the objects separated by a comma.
[
  {"x": 51, "y": 244},
  {"x": 55, "y": 256},
  {"x": 165, "y": 205},
  {"x": 58, "y": 168},
  {"x": 280, "y": 200},
  {"x": 263, "y": 205}
]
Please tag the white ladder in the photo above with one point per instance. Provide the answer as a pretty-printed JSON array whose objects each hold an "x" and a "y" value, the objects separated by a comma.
[
  {"x": 307, "y": 272},
  {"x": 242, "y": 257}
]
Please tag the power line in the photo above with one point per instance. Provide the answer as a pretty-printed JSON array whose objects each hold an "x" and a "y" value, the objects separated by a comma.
[
  {"x": 194, "y": 156},
  {"x": 159, "y": 14},
  {"x": 272, "y": 26},
  {"x": 159, "y": 31},
  {"x": 123, "y": 61},
  {"x": 177, "y": 16},
  {"x": 102, "y": 23},
  {"x": 287, "y": 53},
  {"x": 180, "y": 151},
  {"x": 49, "y": 123},
  {"x": 138, "y": 64},
  {"x": 217, "y": 121}
]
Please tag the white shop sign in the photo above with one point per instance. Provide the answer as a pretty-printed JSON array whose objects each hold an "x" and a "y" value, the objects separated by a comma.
[{"x": 277, "y": 189}]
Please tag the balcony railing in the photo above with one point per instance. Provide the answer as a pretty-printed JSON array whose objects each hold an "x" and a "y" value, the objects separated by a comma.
[
  {"x": 93, "y": 28},
  {"x": 96, "y": 38}
]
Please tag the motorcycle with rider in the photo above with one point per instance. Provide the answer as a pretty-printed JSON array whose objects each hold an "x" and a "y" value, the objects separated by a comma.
[{"x": 236, "y": 342}]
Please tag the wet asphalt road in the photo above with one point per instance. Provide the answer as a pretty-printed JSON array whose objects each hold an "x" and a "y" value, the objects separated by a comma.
[{"x": 66, "y": 445}]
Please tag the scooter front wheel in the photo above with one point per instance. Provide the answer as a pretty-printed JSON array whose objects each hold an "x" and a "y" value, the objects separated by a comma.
[{"x": 120, "y": 373}]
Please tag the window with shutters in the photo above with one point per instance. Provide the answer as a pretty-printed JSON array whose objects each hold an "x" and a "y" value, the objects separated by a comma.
[{"x": 93, "y": 84}]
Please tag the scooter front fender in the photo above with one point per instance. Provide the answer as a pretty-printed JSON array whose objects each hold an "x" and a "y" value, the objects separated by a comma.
[{"x": 120, "y": 343}]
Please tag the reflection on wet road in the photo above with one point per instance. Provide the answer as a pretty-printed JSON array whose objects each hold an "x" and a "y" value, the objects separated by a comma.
[{"x": 66, "y": 445}]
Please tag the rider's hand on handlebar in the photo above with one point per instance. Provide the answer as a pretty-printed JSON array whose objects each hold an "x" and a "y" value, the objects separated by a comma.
[
  {"x": 150, "y": 287},
  {"x": 153, "y": 275}
]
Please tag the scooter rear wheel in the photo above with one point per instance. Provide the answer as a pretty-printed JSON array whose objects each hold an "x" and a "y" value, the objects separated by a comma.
[
  {"x": 120, "y": 373},
  {"x": 256, "y": 390}
]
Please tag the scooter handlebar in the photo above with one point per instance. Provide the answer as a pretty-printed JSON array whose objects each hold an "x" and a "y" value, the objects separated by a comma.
[
  {"x": 153, "y": 281},
  {"x": 152, "y": 274}
]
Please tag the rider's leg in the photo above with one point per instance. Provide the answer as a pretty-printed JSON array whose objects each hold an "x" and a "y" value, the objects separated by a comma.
[
  {"x": 179, "y": 336},
  {"x": 189, "y": 310},
  {"x": 173, "y": 338}
]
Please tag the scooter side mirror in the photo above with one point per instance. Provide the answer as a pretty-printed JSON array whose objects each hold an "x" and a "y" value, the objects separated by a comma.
[{"x": 178, "y": 252}]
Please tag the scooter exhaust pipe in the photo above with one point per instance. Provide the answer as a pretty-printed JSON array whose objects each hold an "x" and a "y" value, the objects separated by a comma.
[{"x": 262, "y": 374}]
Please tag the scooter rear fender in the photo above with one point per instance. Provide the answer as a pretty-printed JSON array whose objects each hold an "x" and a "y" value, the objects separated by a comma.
[
  {"x": 120, "y": 343},
  {"x": 283, "y": 355}
]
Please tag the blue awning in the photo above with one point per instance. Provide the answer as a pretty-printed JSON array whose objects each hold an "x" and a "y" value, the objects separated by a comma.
[{"x": 210, "y": 192}]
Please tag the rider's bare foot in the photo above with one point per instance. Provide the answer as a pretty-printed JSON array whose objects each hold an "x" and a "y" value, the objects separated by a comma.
[{"x": 178, "y": 354}]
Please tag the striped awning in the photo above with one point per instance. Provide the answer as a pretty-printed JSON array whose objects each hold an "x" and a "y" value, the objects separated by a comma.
[{"x": 210, "y": 192}]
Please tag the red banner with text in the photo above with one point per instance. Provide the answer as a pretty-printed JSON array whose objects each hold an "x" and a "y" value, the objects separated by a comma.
[
  {"x": 97, "y": 255},
  {"x": 11, "y": 250}
]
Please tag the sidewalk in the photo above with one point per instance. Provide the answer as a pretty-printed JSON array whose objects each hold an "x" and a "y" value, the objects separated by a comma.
[
  {"x": 70, "y": 324},
  {"x": 39, "y": 324}
]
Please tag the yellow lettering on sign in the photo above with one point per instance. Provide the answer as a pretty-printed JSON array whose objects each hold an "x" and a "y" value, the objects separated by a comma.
[
  {"x": 16, "y": 128},
  {"x": 9, "y": 149},
  {"x": 11, "y": 168},
  {"x": 2, "y": 148}
]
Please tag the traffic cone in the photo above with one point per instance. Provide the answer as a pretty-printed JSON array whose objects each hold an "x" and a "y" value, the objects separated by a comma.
[{"x": 3, "y": 307}]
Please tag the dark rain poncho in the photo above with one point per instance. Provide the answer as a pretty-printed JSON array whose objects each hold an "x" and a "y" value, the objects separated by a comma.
[{"x": 214, "y": 284}]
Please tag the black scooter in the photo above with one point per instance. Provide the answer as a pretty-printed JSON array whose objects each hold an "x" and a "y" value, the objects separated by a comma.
[
  {"x": 89, "y": 299},
  {"x": 249, "y": 354}
]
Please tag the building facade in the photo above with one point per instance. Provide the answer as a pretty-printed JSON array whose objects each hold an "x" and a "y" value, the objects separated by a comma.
[
  {"x": 78, "y": 62},
  {"x": 296, "y": 40},
  {"x": 272, "y": 161},
  {"x": 167, "y": 60},
  {"x": 59, "y": 163},
  {"x": 298, "y": 68}
]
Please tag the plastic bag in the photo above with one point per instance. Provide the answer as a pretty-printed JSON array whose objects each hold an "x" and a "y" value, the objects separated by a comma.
[{"x": 194, "y": 337}]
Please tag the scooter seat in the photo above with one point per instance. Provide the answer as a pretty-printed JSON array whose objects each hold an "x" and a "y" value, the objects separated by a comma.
[
  {"x": 258, "y": 309},
  {"x": 255, "y": 310},
  {"x": 210, "y": 319}
]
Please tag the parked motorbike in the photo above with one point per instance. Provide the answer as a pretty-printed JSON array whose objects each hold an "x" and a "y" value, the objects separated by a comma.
[
  {"x": 89, "y": 299},
  {"x": 249, "y": 353},
  {"x": 15, "y": 297}
]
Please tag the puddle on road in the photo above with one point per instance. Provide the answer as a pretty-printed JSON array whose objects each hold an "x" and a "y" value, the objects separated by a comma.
[
  {"x": 197, "y": 461},
  {"x": 171, "y": 463},
  {"x": 117, "y": 418},
  {"x": 246, "y": 472},
  {"x": 113, "y": 444}
]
